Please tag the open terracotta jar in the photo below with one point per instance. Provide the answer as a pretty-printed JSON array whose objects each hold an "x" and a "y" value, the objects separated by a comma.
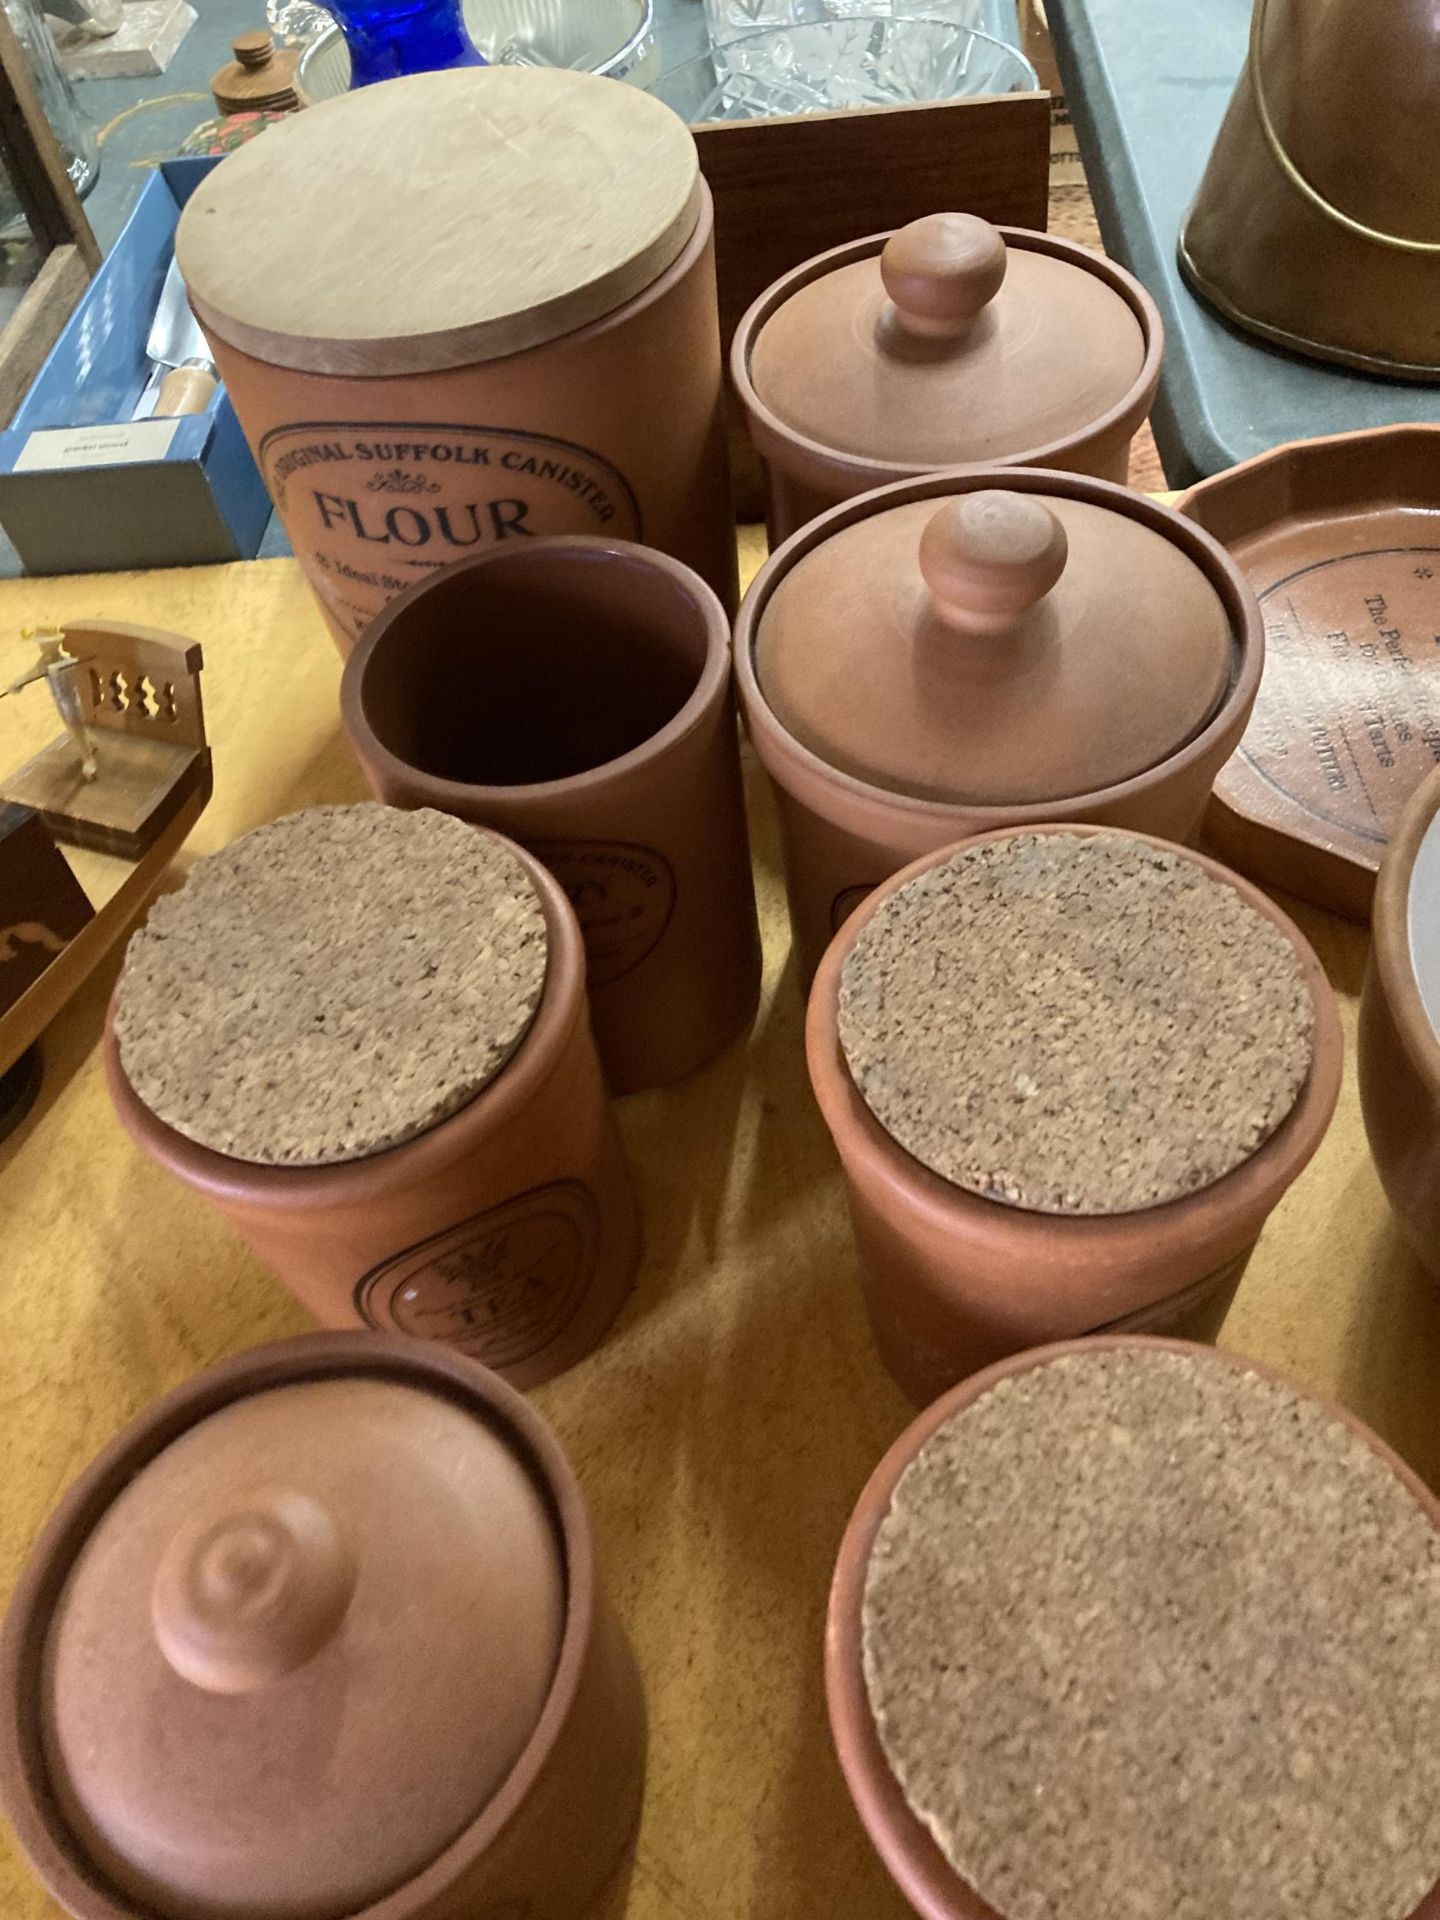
[
  {"x": 1399, "y": 1050},
  {"x": 363, "y": 1036},
  {"x": 1069, "y": 1073},
  {"x": 947, "y": 342},
  {"x": 321, "y": 1635},
  {"x": 973, "y": 650},
  {"x": 1133, "y": 1627}
]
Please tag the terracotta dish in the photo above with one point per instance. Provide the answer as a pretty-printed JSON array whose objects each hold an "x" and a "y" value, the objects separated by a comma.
[
  {"x": 942, "y": 656},
  {"x": 506, "y": 1226},
  {"x": 1340, "y": 539},
  {"x": 351, "y": 1579},
  {"x": 407, "y": 409},
  {"x": 1400, "y": 1024},
  {"x": 959, "y": 1271},
  {"x": 575, "y": 693},
  {"x": 945, "y": 342},
  {"x": 1167, "y": 1591}
]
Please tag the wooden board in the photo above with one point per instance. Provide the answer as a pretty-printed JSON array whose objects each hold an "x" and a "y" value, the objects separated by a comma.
[{"x": 788, "y": 189}]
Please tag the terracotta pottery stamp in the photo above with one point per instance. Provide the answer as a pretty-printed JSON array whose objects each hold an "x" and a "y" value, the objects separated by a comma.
[
  {"x": 1340, "y": 539},
  {"x": 363, "y": 1035},
  {"x": 226, "y": 1581},
  {"x": 575, "y": 694},
  {"x": 1069, "y": 1073}
]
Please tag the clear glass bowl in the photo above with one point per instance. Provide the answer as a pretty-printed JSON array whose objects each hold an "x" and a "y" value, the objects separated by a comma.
[
  {"x": 859, "y": 60},
  {"x": 725, "y": 19},
  {"x": 611, "y": 37}
]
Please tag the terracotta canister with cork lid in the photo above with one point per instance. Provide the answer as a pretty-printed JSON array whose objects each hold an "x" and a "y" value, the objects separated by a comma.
[
  {"x": 1129, "y": 1626},
  {"x": 321, "y": 1634},
  {"x": 363, "y": 1036},
  {"x": 464, "y": 308},
  {"x": 982, "y": 648},
  {"x": 946, "y": 342},
  {"x": 1399, "y": 1052},
  {"x": 1069, "y": 1072}
]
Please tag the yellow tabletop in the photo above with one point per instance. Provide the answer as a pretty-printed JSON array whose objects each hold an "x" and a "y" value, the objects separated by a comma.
[{"x": 726, "y": 1427}]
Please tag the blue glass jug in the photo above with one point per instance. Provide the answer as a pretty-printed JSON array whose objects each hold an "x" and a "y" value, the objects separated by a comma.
[{"x": 389, "y": 37}]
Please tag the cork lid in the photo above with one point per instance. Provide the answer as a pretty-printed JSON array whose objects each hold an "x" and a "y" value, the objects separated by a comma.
[
  {"x": 953, "y": 342},
  {"x": 1013, "y": 647},
  {"x": 439, "y": 220},
  {"x": 1075, "y": 1022},
  {"x": 301, "y": 1651},
  {"x": 1147, "y": 1633},
  {"x": 332, "y": 984}
]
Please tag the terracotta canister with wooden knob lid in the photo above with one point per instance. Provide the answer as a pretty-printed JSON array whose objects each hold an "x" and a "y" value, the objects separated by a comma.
[
  {"x": 320, "y": 1635},
  {"x": 463, "y": 308},
  {"x": 949, "y": 341},
  {"x": 980, "y": 649}
]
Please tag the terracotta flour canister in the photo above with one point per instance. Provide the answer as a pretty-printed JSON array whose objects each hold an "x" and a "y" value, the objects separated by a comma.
[
  {"x": 1134, "y": 1627},
  {"x": 363, "y": 1035},
  {"x": 947, "y": 342},
  {"x": 463, "y": 308},
  {"x": 1399, "y": 1054},
  {"x": 1069, "y": 1073},
  {"x": 321, "y": 1634},
  {"x": 575, "y": 693},
  {"x": 941, "y": 656}
]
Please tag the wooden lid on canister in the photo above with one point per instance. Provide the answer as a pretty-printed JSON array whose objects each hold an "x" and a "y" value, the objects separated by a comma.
[{"x": 440, "y": 220}]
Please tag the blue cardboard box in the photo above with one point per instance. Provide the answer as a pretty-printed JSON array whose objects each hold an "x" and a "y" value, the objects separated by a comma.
[{"x": 83, "y": 488}]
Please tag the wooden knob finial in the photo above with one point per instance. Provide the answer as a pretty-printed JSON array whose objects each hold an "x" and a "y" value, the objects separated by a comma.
[
  {"x": 942, "y": 272},
  {"x": 253, "y": 49},
  {"x": 989, "y": 558},
  {"x": 245, "y": 1597}
]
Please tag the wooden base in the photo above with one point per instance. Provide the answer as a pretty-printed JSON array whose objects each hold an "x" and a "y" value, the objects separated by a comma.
[
  {"x": 145, "y": 43},
  {"x": 140, "y": 786}
]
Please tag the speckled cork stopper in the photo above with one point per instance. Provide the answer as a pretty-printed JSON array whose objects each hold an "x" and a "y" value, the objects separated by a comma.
[
  {"x": 1075, "y": 1024},
  {"x": 331, "y": 984},
  {"x": 1148, "y": 1638}
]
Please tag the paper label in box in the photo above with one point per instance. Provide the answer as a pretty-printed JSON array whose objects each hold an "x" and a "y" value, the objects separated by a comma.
[{"x": 139, "y": 441}]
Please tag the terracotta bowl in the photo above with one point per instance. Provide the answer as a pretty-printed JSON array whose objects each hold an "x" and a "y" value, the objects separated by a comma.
[
  {"x": 553, "y": 1842},
  {"x": 527, "y": 1185},
  {"x": 913, "y": 1859},
  {"x": 804, "y": 477},
  {"x": 842, "y": 836},
  {"x": 954, "y": 1282},
  {"x": 1399, "y": 1047}
]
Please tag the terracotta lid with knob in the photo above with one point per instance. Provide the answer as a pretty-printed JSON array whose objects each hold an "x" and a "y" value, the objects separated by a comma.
[
  {"x": 303, "y": 1646},
  {"x": 996, "y": 648},
  {"x": 952, "y": 342}
]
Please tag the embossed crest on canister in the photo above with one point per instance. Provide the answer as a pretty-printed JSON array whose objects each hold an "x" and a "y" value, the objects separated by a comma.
[{"x": 463, "y": 309}]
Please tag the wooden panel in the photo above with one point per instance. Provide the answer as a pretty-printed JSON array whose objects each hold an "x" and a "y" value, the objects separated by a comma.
[
  {"x": 37, "y": 323},
  {"x": 33, "y": 160},
  {"x": 787, "y": 189}
]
